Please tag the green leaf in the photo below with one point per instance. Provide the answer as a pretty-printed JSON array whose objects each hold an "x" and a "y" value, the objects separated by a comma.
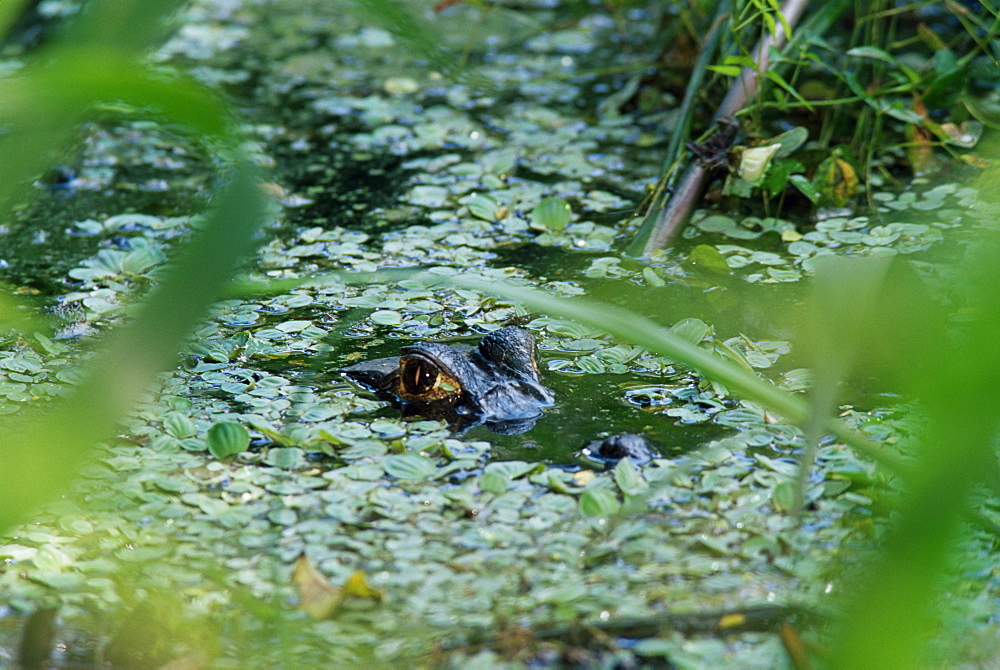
[
  {"x": 652, "y": 278},
  {"x": 570, "y": 329},
  {"x": 742, "y": 61},
  {"x": 945, "y": 62},
  {"x": 735, "y": 356},
  {"x": 179, "y": 425},
  {"x": 726, "y": 70},
  {"x": 628, "y": 478},
  {"x": 708, "y": 258},
  {"x": 805, "y": 187},
  {"x": 194, "y": 444},
  {"x": 899, "y": 112},
  {"x": 777, "y": 177},
  {"x": 785, "y": 86},
  {"x": 551, "y": 214},
  {"x": 227, "y": 438},
  {"x": 599, "y": 502},
  {"x": 783, "y": 497},
  {"x": 781, "y": 467},
  {"x": 494, "y": 482},
  {"x": 857, "y": 88},
  {"x": 591, "y": 365},
  {"x": 790, "y": 141},
  {"x": 51, "y": 559},
  {"x": 483, "y": 207},
  {"x": 499, "y": 162},
  {"x": 873, "y": 53},
  {"x": 558, "y": 481},
  {"x": 690, "y": 330},
  {"x": 387, "y": 317},
  {"x": 635, "y": 504},
  {"x": 137, "y": 261},
  {"x": 408, "y": 466},
  {"x": 258, "y": 423},
  {"x": 285, "y": 457},
  {"x": 513, "y": 469}
]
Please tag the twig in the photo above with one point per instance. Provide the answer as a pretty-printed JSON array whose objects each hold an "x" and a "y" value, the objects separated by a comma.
[{"x": 678, "y": 209}]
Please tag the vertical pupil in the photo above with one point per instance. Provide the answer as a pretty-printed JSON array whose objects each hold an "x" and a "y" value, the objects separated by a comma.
[{"x": 419, "y": 377}]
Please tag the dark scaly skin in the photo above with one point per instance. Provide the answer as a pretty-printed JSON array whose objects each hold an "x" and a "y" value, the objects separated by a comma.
[
  {"x": 612, "y": 449},
  {"x": 496, "y": 383}
]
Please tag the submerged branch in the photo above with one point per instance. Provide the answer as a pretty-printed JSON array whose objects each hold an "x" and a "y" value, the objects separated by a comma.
[{"x": 767, "y": 618}]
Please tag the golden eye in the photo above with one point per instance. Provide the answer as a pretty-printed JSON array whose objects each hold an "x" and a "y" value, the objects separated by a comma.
[{"x": 417, "y": 377}]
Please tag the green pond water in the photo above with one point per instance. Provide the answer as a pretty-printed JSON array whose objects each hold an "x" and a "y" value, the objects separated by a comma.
[{"x": 382, "y": 159}]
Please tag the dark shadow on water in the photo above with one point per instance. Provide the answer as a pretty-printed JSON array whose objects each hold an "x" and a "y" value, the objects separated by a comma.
[{"x": 589, "y": 407}]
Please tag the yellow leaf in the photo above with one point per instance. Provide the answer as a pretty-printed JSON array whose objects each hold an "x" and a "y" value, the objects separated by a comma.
[
  {"x": 734, "y": 620},
  {"x": 790, "y": 235},
  {"x": 317, "y": 596},
  {"x": 979, "y": 161},
  {"x": 837, "y": 181},
  {"x": 357, "y": 585}
]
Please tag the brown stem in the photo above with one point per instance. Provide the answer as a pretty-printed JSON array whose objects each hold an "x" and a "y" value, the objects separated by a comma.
[
  {"x": 678, "y": 208},
  {"x": 681, "y": 203},
  {"x": 744, "y": 89}
]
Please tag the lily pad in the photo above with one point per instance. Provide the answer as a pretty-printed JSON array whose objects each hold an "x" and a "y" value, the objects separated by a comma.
[
  {"x": 599, "y": 501},
  {"x": 387, "y": 317},
  {"x": 551, "y": 214},
  {"x": 227, "y": 438},
  {"x": 409, "y": 466}
]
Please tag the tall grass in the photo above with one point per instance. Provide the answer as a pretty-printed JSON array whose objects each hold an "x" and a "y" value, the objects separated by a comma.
[
  {"x": 98, "y": 59},
  {"x": 887, "y": 612},
  {"x": 878, "y": 316}
]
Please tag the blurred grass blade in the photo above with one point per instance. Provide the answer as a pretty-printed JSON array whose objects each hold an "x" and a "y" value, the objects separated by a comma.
[
  {"x": 40, "y": 459},
  {"x": 40, "y": 109},
  {"x": 845, "y": 293},
  {"x": 92, "y": 60},
  {"x": 68, "y": 89},
  {"x": 16, "y": 314},
  {"x": 631, "y": 327},
  {"x": 890, "y": 610},
  {"x": 128, "y": 25},
  {"x": 10, "y": 12}
]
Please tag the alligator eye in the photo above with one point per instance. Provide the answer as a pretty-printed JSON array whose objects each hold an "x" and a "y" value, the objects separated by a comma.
[
  {"x": 422, "y": 379},
  {"x": 418, "y": 377}
]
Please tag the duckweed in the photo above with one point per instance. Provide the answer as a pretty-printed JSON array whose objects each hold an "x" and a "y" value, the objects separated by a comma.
[{"x": 253, "y": 452}]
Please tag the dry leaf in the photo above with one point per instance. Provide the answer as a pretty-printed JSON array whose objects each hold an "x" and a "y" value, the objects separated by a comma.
[{"x": 317, "y": 596}]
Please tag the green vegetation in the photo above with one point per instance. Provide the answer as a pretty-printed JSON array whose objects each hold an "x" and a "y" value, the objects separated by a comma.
[
  {"x": 44, "y": 105},
  {"x": 829, "y": 468}
]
